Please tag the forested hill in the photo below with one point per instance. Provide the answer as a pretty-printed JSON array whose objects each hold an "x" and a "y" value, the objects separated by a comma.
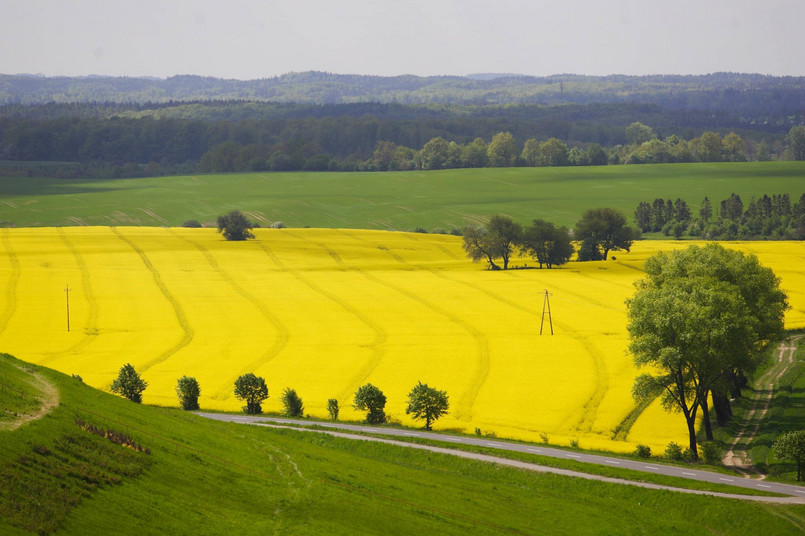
[{"x": 749, "y": 94}]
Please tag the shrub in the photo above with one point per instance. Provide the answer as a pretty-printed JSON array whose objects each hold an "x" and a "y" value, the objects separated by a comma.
[
  {"x": 372, "y": 400},
  {"x": 278, "y": 225},
  {"x": 188, "y": 391},
  {"x": 129, "y": 384},
  {"x": 191, "y": 223},
  {"x": 574, "y": 443},
  {"x": 292, "y": 403},
  {"x": 643, "y": 451},
  {"x": 674, "y": 452},
  {"x": 711, "y": 453},
  {"x": 252, "y": 390},
  {"x": 332, "y": 409},
  {"x": 544, "y": 437},
  {"x": 235, "y": 226}
]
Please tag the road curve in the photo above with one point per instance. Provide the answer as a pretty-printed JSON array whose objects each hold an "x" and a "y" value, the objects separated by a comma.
[{"x": 795, "y": 494}]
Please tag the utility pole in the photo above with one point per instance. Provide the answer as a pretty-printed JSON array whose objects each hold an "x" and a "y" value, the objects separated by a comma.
[
  {"x": 546, "y": 308},
  {"x": 67, "y": 293}
]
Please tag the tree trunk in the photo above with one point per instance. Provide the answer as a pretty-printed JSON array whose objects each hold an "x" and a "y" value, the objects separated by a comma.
[
  {"x": 691, "y": 420},
  {"x": 721, "y": 403},
  {"x": 708, "y": 429}
]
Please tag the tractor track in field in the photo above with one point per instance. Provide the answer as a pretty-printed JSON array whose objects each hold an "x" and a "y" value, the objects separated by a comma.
[
  {"x": 380, "y": 335},
  {"x": 11, "y": 289},
  {"x": 589, "y": 410},
  {"x": 275, "y": 321},
  {"x": 91, "y": 329},
  {"x": 467, "y": 400},
  {"x": 737, "y": 457},
  {"x": 187, "y": 338}
]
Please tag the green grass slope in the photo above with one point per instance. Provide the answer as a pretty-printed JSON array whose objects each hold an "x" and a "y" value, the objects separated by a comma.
[
  {"x": 170, "y": 472},
  {"x": 394, "y": 200}
]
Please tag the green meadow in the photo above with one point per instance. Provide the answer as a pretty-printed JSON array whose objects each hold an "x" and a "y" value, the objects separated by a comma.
[
  {"x": 391, "y": 200},
  {"x": 181, "y": 474}
]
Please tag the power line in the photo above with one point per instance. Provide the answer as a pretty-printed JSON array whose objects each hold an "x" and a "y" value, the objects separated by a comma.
[{"x": 546, "y": 309}]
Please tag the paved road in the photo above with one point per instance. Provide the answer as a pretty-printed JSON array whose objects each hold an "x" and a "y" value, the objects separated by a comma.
[{"x": 796, "y": 493}]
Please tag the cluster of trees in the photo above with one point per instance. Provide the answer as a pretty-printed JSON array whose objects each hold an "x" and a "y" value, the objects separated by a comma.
[
  {"x": 702, "y": 320},
  {"x": 598, "y": 231},
  {"x": 424, "y": 402},
  {"x": 767, "y": 216}
]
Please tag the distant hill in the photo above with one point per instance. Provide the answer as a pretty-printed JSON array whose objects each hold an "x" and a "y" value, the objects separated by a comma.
[{"x": 746, "y": 94}]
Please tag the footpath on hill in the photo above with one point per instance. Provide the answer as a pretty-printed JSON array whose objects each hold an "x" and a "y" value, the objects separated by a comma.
[
  {"x": 736, "y": 457},
  {"x": 44, "y": 392}
]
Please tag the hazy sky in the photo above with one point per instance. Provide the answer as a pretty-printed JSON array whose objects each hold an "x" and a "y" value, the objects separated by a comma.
[{"x": 248, "y": 39}]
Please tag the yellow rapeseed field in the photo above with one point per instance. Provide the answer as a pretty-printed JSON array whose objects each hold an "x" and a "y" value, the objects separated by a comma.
[{"x": 325, "y": 311}]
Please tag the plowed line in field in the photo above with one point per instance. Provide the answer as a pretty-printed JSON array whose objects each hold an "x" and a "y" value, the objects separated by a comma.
[
  {"x": 11, "y": 289},
  {"x": 380, "y": 335},
  {"x": 154, "y": 215},
  {"x": 443, "y": 249},
  {"x": 91, "y": 330},
  {"x": 177, "y": 308},
  {"x": 282, "y": 331},
  {"x": 465, "y": 404}
]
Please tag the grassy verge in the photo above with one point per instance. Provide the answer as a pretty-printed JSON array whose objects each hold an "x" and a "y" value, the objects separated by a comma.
[
  {"x": 18, "y": 395},
  {"x": 204, "y": 477}
]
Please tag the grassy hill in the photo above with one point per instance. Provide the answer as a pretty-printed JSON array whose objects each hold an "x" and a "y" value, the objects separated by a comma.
[
  {"x": 394, "y": 200},
  {"x": 171, "y": 472}
]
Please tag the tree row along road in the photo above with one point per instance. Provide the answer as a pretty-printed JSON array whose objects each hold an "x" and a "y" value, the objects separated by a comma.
[{"x": 796, "y": 494}]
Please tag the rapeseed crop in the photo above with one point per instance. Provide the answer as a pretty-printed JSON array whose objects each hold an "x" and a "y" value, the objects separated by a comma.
[{"x": 325, "y": 311}]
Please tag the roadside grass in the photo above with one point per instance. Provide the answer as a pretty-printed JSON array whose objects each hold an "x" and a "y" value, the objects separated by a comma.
[
  {"x": 408, "y": 200},
  {"x": 786, "y": 412},
  {"x": 548, "y": 461},
  {"x": 206, "y": 477}
]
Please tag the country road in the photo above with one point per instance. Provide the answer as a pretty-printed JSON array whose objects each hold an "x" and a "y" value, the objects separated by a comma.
[{"x": 795, "y": 494}]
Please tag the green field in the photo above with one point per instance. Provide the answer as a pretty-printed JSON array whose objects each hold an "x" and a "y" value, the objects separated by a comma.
[
  {"x": 393, "y": 200},
  {"x": 205, "y": 477}
]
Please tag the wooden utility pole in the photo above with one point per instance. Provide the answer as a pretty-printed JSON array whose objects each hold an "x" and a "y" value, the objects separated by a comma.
[
  {"x": 67, "y": 293},
  {"x": 546, "y": 309}
]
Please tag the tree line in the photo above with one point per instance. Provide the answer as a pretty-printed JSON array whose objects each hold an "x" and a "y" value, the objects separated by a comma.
[
  {"x": 424, "y": 402},
  {"x": 598, "y": 231},
  {"x": 225, "y": 137},
  {"x": 764, "y": 217}
]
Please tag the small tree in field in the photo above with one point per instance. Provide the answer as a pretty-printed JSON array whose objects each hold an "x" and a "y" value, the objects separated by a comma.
[
  {"x": 252, "y": 390},
  {"x": 188, "y": 391},
  {"x": 370, "y": 399},
  {"x": 427, "y": 403},
  {"x": 235, "y": 226},
  {"x": 129, "y": 384},
  {"x": 292, "y": 403},
  {"x": 332, "y": 408},
  {"x": 791, "y": 447}
]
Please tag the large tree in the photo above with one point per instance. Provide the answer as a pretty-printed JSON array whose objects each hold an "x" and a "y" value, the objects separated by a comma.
[
  {"x": 427, "y": 403},
  {"x": 606, "y": 229},
  {"x": 496, "y": 241},
  {"x": 700, "y": 315},
  {"x": 548, "y": 244},
  {"x": 795, "y": 142},
  {"x": 502, "y": 151},
  {"x": 252, "y": 390}
]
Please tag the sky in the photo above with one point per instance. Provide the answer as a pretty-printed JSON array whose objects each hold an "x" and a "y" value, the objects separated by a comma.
[{"x": 251, "y": 39}]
